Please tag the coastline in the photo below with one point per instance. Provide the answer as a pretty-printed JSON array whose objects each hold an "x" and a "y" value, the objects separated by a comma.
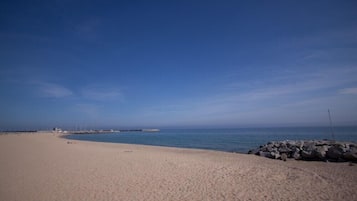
[
  {"x": 239, "y": 140},
  {"x": 44, "y": 166}
]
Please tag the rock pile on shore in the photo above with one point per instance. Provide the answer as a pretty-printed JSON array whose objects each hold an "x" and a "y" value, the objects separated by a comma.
[{"x": 320, "y": 150}]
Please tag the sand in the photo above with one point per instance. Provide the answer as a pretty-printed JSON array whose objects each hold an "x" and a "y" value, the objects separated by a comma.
[{"x": 45, "y": 167}]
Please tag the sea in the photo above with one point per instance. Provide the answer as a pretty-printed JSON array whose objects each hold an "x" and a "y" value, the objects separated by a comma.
[{"x": 239, "y": 140}]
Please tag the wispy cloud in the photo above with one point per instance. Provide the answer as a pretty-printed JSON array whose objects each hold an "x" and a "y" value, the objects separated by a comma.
[
  {"x": 352, "y": 90},
  {"x": 102, "y": 93},
  {"x": 307, "y": 94},
  {"x": 94, "y": 92},
  {"x": 52, "y": 90},
  {"x": 298, "y": 84}
]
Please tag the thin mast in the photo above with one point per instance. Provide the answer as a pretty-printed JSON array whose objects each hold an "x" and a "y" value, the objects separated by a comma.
[{"x": 329, "y": 116}]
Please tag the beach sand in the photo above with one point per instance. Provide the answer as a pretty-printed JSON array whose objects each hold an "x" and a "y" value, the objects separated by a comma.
[{"x": 45, "y": 167}]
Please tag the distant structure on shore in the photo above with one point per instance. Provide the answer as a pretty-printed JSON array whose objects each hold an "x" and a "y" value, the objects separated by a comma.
[
  {"x": 150, "y": 130},
  {"x": 113, "y": 131},
  {"x": 56, "y": 130},
  {"x": 97, "y": 131}
]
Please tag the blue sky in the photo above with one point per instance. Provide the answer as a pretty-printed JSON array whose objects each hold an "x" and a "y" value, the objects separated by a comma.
[{"x": 177, "y": 64}]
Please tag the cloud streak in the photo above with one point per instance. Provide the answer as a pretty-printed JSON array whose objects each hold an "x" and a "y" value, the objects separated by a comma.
[
  {"x": 309, "y": 95},
  {"x": 52, "y": 90},
  {"x": 102, "y": 94},
  {"x": 352, "y": 90}
]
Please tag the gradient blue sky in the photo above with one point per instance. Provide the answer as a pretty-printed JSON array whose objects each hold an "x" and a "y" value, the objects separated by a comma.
[{"x": 177, "y": 64}]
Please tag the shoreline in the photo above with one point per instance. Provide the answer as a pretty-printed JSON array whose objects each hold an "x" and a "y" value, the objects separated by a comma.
[{"x": 44, "y": 166}]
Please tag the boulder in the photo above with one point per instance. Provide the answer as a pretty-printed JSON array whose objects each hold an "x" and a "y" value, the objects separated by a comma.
[
  {"x": 275, "y": 155},
  {"x": 265, "y": 154},
  {"x": 284, "y": 150},
  {"x": 308, "y": 155},
  {"x": 300, "y": 144},
  {"x": 291, "y": 143},
  {"x": 322, "y": 150},
  {"x": 309, "y": 146},
  {"x": 284, "y": 156},
  {"x": 254, "y": 151},
  {"x": 334, "y": 152},
  {"x": 322, "y": 142},
  {"x": 296, "y": 155},
  {"x": 351, "y": 155},
  {"x": 269, "y": 148}
]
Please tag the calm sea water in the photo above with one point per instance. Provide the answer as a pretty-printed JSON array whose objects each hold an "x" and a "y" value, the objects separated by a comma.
[{"x": 231, "y": 140}]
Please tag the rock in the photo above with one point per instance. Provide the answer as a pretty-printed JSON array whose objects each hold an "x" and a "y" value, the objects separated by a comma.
[
  {"x": 335, "y": 152},
  {"x": 264, "y": 148},
  {"x": 300, "y": 144},
  {"x": 275, "y": 155},
  {"x": 291, "y": 143},
  {"x": 284, "y": 156},
  {"x": 308, "y": 155},
  {"x": 296, "y": 155},
  {"x": 265, "y": 154},
  {"x": 254, "y": 151},
  {"x": 284, "y": 150},
  {"x": 348, "y": 147},
  {"x": 320, "y": 152},
  {"x": 269, "y": 148},
  {"x": 325, "y": 147},
  {"x": 308, "y": 150},
  {"x": 322, "y": 142},
  {"x": 309, "y": 146},
  {"x": 282, "y": 144},
  {"x": 351, "y": 155},
  {"x": 295, "y": 148}
]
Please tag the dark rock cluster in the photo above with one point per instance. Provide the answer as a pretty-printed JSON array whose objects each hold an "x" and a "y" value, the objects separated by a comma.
[{"x": 317, "y": 150}]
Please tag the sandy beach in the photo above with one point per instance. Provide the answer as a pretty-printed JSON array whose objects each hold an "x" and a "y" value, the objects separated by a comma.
[{"x": 45, "y": 167}]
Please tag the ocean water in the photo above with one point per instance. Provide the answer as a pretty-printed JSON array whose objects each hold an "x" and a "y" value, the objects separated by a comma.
[{"x": 230, "y": 140}]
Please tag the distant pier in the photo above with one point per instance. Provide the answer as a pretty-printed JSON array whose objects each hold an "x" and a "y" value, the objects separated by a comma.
[{"x": 112, "y": 131}]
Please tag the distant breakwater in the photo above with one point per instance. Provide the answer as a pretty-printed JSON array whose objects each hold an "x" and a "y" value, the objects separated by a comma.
[
  {"x": 112, "y": 131},
  {"x": 312, "y": 150}
]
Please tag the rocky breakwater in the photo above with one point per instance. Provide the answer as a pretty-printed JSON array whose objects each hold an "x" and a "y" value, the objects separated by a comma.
[{"x": 317, "y": 150}]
